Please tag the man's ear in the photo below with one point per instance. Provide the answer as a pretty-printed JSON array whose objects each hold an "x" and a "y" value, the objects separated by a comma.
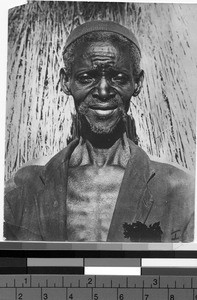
[
  {"x": 139, "y": 84},
  {"x": 65, "y": 82}
]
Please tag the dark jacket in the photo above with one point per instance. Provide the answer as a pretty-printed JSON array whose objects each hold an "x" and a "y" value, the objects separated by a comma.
[{"x": 35, "y": 201}]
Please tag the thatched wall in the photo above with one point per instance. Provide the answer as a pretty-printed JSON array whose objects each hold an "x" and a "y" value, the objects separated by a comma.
[{"x": 39, "y": 114}]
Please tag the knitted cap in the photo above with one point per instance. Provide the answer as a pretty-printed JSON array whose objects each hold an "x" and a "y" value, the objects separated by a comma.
[{"x": 107, "y": 26}]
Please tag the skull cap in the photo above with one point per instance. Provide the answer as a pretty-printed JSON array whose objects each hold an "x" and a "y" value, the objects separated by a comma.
[{"x": 107, "y": 26}]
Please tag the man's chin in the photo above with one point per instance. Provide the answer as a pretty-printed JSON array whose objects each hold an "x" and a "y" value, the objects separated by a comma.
[
  {"x": 102, "y": 135},
  {"x": 102, "y": 129}
]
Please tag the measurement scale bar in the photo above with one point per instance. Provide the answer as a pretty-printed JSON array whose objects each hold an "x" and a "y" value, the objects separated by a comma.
[{"x": 83, "y": 287}]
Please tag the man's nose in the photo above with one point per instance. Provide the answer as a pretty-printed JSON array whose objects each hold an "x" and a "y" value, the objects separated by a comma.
[{"x": 103, "y": 90}]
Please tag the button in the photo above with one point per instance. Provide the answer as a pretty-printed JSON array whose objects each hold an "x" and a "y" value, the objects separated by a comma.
[
  {"x": 55, "y": 203},
  {"x": 60, "y": 189}
]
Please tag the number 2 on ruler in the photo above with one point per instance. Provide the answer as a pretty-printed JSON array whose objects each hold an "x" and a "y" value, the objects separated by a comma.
[{"x": 20, "y": 296}]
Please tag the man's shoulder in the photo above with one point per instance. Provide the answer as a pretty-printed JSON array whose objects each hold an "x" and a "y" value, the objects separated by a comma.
[
  {"x": 170, "y": 169},
  {"x": 32, "y": 171},
  {"x": 26, "y": 175},
  {"x": 173, "y": 179}
]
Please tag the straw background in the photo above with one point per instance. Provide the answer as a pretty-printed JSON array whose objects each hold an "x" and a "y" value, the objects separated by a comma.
[{"x": 39, "y": 115}]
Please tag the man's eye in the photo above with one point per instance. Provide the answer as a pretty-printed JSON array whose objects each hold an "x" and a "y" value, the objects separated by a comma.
[
  {"x": 120, "y": 78},
  {"x": 84, "y": 78}
]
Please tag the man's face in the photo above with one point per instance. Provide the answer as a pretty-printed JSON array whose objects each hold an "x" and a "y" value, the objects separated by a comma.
[{"x": 102, "y": 84}]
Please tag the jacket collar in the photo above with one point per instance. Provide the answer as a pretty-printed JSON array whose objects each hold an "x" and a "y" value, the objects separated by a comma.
[
  {"x": 55, "y": 163},
  {"x": 134, "y": 200}
]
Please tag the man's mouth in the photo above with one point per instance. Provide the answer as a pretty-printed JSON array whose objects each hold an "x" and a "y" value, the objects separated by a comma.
[{"x": 103, "y": 111}]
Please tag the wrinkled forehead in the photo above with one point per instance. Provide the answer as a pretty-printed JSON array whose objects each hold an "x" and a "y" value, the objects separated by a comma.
[
  {"x": 103, "y": 55},
  {"x": 102, "y": 49}
]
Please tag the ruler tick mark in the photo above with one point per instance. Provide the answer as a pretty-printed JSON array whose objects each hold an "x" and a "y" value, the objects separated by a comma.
[{"x": 92, "y": 292}]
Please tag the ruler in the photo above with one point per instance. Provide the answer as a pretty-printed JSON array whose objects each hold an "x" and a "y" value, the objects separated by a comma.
[{"x": 98, "y": 287}]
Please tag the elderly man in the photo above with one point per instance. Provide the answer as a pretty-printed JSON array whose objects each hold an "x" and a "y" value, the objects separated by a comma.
[{"x": 102, "y": 183}]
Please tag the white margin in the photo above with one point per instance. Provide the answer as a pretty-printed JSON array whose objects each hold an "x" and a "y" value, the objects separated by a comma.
[{"x": 5, "y": 6}]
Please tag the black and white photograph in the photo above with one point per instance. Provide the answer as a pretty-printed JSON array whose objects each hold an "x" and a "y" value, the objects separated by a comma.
[{"x": 101, "y": 122}]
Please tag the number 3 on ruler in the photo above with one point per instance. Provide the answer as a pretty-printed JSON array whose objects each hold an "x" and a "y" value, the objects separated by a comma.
[{"x": 45, "y": 296}]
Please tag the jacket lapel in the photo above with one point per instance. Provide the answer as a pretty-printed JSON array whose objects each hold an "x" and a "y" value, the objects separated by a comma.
[
  {"x": 51, "y": 201},
  {"x": 134, "y": 200}
]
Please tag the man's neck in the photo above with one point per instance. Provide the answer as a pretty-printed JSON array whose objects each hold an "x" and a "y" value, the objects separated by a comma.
[
  {"x": 86, "y": 153},
  {"x": 102, "y": 157}
]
